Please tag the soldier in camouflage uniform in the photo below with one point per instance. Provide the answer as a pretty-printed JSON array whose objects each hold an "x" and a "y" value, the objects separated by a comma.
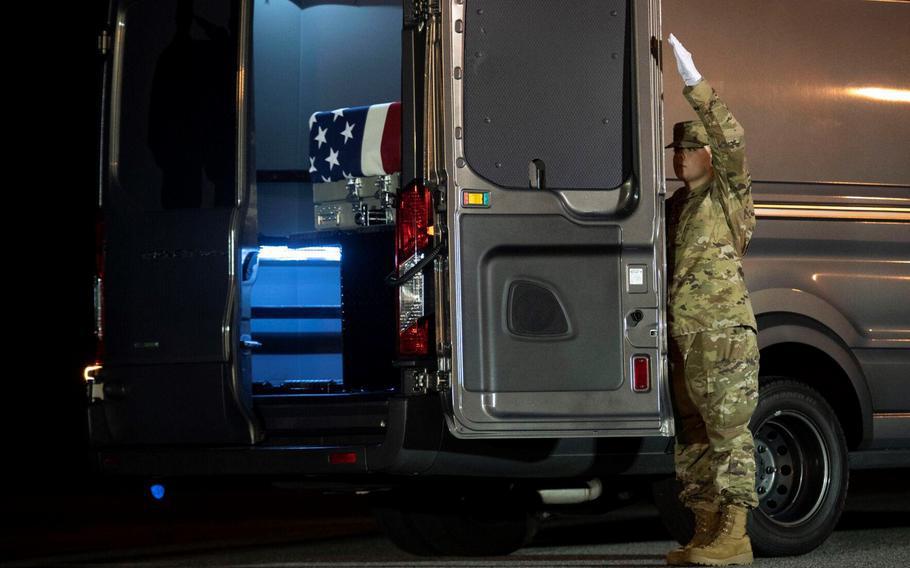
[{"x": 713, "y": 348}]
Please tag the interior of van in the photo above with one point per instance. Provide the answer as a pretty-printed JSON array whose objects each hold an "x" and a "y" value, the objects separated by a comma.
[
  {"x": 321, "y": 122},
  {"x": 313, "y": 286}
]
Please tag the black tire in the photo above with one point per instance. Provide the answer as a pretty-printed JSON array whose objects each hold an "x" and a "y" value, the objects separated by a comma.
[
  {"x": 402, "y": 529},
  {"x": 801, "y": 498},
  {"x": 679, "y": 521},
  {"x": 473, "y": 523}
]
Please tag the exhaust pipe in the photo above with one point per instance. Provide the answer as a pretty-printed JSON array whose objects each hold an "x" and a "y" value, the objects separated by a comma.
[{"x": 573, "y": 495}]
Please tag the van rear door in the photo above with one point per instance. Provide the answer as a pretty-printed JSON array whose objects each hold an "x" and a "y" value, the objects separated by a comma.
[
  {"x": 173, "y": 200},
  {"x": 554, "y": 163}
]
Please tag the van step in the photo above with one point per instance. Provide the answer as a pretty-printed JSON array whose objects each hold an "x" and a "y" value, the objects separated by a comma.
[{"x": 323, "y": 415}]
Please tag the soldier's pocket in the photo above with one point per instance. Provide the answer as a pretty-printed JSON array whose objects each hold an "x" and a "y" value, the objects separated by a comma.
[
  {"x": 737, "y": 404},
  {"x": 734, "y": 408},
  {"x": 733, "y": 387}
]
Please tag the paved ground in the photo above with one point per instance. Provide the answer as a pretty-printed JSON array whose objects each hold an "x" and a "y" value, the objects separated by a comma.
[{"x": 272, "y": 529}]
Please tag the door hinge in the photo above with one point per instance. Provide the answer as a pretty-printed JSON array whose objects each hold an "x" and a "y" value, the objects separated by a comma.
[
  {"x": 423, "y": 381},
  {"x": 415, "y": 381},
  {"x": 423, "y": 10},
  {"x": 442, "y": 380},
  {"x": 104, "y": 42}
]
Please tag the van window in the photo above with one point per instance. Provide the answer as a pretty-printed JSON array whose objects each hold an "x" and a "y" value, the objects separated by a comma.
[
  {"x": 178, "y": 104},
  {"x": 538, "y": 91}
]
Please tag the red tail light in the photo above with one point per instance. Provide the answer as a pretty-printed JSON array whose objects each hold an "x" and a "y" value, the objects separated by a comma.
[
  {"x": 413, "y": 225},
  {"x": 338, "y": 458},
  {"x": 641, "y": 373},
  {"x": 415, "y": 215},
  {"x": 415, "y": 339}
]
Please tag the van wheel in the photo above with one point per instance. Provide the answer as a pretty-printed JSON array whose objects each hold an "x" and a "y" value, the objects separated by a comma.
[
  {"x": 485, "y": 523},
  {"x": 801, "y": 473},
  {"x": 403, "y": 530},
  {"x": 801, "y": 469}
]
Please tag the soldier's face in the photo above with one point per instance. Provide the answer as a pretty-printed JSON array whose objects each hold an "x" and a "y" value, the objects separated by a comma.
[{"x": 692, "y": 164}]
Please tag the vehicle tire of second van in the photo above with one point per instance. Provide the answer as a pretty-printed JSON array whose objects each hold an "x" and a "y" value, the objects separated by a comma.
[
  {"x": 802, "y": 469},
  {"x": 800, "y": 503},
  {"x": 456, "y": 523}
]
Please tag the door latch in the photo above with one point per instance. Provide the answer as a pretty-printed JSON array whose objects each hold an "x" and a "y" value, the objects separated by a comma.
[{"x": 247, "y": 342}]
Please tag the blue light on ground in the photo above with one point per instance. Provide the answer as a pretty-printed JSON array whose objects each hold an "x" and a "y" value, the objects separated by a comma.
[{"x": 157, "y": 491}]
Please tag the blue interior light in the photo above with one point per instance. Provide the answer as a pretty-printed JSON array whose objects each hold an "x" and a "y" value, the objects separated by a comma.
[
  {"x": 157, "y": 491},
  {"x": 308, "y": 253}
]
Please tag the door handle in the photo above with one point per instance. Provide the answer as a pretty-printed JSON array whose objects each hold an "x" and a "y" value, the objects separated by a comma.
[
  {"x": 247, "y": 342},
  {"x": 537, "y": 174}
]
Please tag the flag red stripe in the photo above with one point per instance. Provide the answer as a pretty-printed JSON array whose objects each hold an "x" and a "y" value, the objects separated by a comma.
[{"x": 390, "y": 148}]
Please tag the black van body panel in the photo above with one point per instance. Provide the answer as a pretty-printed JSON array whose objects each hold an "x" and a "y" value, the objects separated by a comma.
[
  {"x": 172, "y": 205},
  {"x": 170, "y": 404},
  {"x": 416, "y": 443},
  {"x": 156, "y": 311}
]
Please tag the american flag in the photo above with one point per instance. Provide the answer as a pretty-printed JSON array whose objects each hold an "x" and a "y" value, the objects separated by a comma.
[{"x": 355, "y": 142}]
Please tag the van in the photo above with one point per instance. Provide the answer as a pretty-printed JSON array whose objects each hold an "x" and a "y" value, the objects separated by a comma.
[{"x": 417, "y": 249}]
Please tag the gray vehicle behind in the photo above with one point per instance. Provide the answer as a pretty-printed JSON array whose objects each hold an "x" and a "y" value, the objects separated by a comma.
[{"x": 828, "y": 268}]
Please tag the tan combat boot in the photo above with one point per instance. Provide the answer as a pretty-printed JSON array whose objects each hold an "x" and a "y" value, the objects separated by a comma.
[
  {"x": 730, "y": 545},
  {"x": 705, "y": 524}
]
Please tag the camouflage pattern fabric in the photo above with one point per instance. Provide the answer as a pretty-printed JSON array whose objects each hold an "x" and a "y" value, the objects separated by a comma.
[
  {"x": 714, "y": 376},
  {"x": 709, "y": 228},
  {"x": 689, "y": 134}
]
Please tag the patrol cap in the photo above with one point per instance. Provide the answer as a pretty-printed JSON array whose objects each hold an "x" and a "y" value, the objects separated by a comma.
[{"x": 689, "y": 134}]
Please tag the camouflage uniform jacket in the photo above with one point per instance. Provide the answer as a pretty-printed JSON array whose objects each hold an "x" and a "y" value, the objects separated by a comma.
[{"x": 709, "y": 228}]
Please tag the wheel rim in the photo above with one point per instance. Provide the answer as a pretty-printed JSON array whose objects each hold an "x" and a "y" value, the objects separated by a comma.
[{"x": 792, "y": 467}]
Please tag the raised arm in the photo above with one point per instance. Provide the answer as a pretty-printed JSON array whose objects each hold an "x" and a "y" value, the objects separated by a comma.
[{"x": 725, "y": 135}]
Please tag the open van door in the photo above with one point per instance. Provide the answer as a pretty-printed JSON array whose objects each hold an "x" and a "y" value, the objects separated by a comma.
[
  {"x": 174, "y": 196},
  {"x": 554, "y": 162}
]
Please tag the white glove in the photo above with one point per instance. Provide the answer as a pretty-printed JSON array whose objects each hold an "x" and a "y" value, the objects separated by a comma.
[{"x": 684, "y": 65}]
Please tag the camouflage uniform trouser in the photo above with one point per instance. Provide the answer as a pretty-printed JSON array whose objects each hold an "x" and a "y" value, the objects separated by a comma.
[{"x": 715, "y": 389}]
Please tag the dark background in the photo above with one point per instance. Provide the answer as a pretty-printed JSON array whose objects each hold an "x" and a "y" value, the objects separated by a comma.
[{"x": 51, "y": 188}]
